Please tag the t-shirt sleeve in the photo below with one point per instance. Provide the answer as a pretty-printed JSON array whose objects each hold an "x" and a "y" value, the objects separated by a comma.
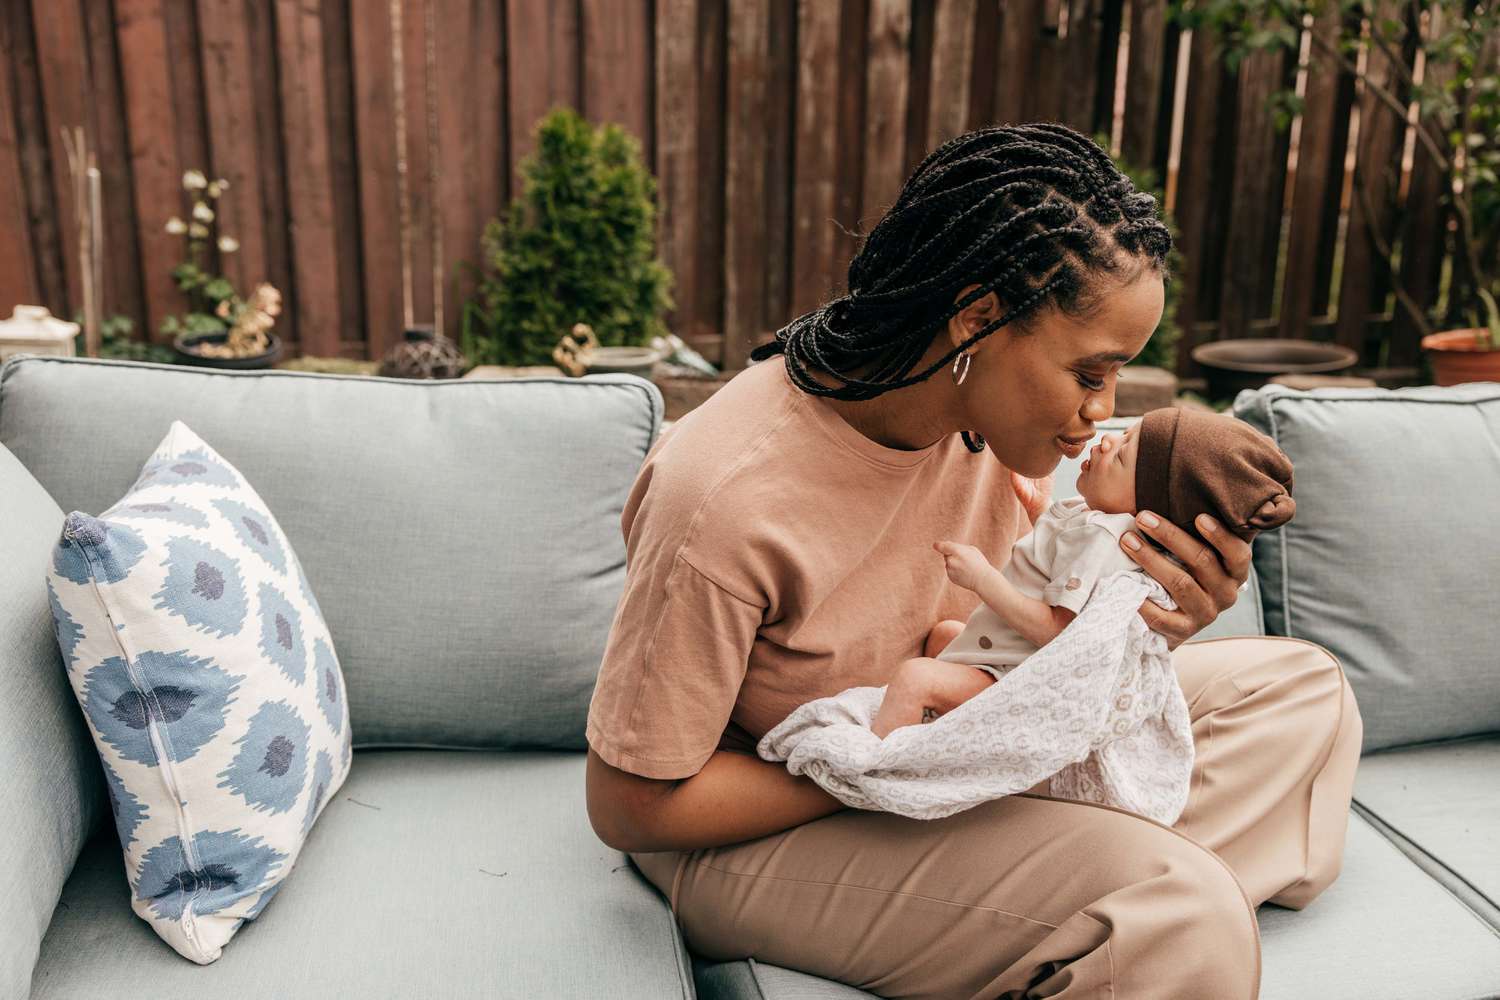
[
  {"x": 676, "y": 655},
  {"x": 1086, "y": 554}
]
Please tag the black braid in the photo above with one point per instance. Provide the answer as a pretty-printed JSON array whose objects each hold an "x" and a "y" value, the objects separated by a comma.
[{"x": 1033, "y": 212}]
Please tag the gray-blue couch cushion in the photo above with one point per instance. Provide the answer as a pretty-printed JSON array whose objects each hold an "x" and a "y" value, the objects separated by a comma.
[
  {"x": 52, "y": 792},
  {"x": 1395, "y": 547},
  {"x": 431, "y": 874},
  {"x": 462, "y": 536},
  {"x": 1440, "y": 803}
]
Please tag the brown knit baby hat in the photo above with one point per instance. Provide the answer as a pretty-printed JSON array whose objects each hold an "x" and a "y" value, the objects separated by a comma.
[{"x": 1191, "y": 462}]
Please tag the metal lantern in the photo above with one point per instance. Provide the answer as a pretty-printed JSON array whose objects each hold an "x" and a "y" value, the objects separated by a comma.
[{"x": 424, "y": 353}]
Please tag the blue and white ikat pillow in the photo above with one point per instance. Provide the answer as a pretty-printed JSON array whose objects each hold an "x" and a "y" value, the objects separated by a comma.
[{"x": 209, "y": 681}]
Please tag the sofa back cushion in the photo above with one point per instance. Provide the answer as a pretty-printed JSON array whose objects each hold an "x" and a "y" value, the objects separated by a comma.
[
  {"x": 1391, "y": 560},
  {"x": 52, "y": 794},
  {"x": 462, "y": 536}
]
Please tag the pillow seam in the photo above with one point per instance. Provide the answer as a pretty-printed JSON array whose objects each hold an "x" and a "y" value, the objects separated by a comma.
[{"x": 132, "y": 665}]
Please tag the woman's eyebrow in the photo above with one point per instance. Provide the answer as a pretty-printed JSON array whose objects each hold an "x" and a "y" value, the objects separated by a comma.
[{"x": 1102, "y": 356}]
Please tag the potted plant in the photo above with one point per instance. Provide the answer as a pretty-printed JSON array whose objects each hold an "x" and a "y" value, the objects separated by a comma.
[
  {"x": 1458, "y": 128},
  {"x": 220, "y": 329},
  {"x": 578, "y": 245}
]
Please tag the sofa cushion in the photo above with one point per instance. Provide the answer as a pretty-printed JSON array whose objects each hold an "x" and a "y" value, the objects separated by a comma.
[
  {"x": 1243, "y": 617},
  {"x": 432, "y": 873},
  {"x": 462, "y": 535},
  {"x": 210, "y": 685},
  {"x": 1394, "y": 544},
  {"x": 1440, "y": 804},
  {"x": 1382, "y": 931},
  {"x": 52, "y": 793}
]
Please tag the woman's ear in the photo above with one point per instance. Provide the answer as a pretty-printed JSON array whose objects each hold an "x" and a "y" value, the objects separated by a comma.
[{"x": 973, "y": 317}]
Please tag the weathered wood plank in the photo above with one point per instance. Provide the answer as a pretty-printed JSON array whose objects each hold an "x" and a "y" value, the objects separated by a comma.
[
  {"x": 885, "y": 105},
  {"x": 677, "y": 154},
  {"x": 745, "y": 180},
  {"x": 812, "y": 249},
  {"x": 18, "y": 278},
  {"x": 379, "y": 200}
]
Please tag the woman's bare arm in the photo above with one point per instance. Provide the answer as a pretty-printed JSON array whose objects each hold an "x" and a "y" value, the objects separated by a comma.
[{"x": 733, "y": 797}]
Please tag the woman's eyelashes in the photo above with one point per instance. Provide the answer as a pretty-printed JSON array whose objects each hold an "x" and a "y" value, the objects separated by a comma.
[{"x": 1093, "y": 385}]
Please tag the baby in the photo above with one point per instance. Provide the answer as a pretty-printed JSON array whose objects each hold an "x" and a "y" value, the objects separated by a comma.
[{"x": 1176, "y": 462}]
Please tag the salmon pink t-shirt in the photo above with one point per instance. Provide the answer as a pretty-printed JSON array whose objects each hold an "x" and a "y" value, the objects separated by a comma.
[{"x": 774, "y": 555}]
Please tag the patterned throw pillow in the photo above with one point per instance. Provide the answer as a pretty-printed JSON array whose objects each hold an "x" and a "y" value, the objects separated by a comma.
[{"x": 209, "y": 681}]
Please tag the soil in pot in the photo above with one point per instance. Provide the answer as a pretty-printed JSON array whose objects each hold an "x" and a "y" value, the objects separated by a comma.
[
  {"x": 1457, "y": 358},
  {"x": 184, "y": 348}
]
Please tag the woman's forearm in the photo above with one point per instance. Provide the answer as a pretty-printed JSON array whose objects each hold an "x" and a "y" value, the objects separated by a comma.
[
  {"x": 1037, "y": 621},
  {"x": 734, "y": 797}
]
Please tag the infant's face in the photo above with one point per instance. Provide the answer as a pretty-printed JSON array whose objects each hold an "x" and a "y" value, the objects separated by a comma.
[{"x": 1106, "y": 480}]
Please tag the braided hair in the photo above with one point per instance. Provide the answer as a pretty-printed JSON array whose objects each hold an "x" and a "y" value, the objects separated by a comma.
[{"x": 1031, "y": 212}]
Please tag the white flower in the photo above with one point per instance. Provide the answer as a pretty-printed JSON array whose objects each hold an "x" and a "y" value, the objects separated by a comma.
[
  {"x": 176, "y": 226},
  {"x": 198, "y": 230},
  {"x": 202, "y": 212},
  {"x": 223, "y": 184},
  {"x": 194, "y": 179},
  {"x": 228, "y": 244},
  {"x": 215, "y": 189}
]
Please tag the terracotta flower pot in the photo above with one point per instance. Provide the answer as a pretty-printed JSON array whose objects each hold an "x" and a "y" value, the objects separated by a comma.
[{"x": 1457, "y": 358}]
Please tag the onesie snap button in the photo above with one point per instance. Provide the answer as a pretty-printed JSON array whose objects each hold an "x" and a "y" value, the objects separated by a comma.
[
  {"x": 1074, "y": 583},
  {"x": 984, "y": 642}
]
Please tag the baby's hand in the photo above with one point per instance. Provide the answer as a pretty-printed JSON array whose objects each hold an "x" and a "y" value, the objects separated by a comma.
[{"x": 965, "y": 564}]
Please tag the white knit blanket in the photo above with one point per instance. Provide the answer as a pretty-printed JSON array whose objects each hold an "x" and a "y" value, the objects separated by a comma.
[{"x": 1098, "y": 710}]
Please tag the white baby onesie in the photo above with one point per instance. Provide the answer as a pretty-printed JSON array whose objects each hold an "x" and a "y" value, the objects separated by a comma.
[{"x": 1069, "y": 550}]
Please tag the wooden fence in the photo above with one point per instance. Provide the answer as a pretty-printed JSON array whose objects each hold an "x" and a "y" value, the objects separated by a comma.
[{"x": 367, "y": 142}]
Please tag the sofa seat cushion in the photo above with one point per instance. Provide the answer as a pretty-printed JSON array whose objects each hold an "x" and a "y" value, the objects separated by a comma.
[
  {"x": 432, "y": 872},
  {"x": 1383, "y": 931},
  {"x": 1440, "y": 803}
]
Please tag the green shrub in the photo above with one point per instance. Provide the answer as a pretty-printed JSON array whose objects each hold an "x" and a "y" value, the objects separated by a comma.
[
  {"x": 577, "y": 245},
  {"x": 115, "y": 341}
]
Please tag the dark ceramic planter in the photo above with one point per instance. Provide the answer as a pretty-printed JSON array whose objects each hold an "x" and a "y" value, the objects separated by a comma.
[
  {"x": 1231, "y": 365},
  {"x": 183, "y": 345}
]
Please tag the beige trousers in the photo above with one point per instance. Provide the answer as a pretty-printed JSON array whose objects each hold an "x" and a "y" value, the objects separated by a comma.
[{"x": 1034, "y": 896}]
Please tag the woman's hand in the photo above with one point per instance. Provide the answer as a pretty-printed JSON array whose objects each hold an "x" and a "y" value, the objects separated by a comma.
[
  {"x": 965, "y": 564},
  {"x": 1208, "y": 581}
]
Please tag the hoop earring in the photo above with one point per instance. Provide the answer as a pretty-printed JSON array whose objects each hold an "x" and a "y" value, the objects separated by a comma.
[
  {"x": 967, "y": 359},
  {"x": 971, "y": 445}
]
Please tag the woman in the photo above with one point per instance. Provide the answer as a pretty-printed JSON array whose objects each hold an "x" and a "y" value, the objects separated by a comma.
[{"x": 779, "y": 543}]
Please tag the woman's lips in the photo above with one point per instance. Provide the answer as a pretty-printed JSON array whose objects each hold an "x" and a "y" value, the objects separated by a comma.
[{"x": 1069, "y": 448}]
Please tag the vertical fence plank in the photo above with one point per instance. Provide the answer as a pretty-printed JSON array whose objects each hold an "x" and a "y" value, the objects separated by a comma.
[
  {"x": 156, "y": 169},
  {"x": 343, "y": 171},
  {"x": 1365, "y": 276},
  {"x": 304, "y": 104},
  {"x": 1250, "y": 258},
  {"x": 1150, "y": 79},
  {"x": 1318, "y": 144},
  {"x": 1200, "y": 207},
  {"x": 542, "y": 63},
  {"x": 1015, "y": 91},
  {"x": 816, "y": 167},
  {"x": 952, "y": 63},
  {"x": 229, "y": 98},
  {"x": 1422, "y": 237},
  {"x": 713, "y": 63},
  {"x": 58, "y": 26},
  {"x": 419, "y": 220},
  {"x": 677, "y": 162},
  {"x": 379, "y": 204},
  {"x": 850, "y": 147},
  {"x": 781, "y": 114},
  {"x": 121, "y": 265},
  {"x": 885, "y": 105},
  {"x": 469, "y": 141},
  {"x": 1080, "y": 55},
  {"x": 617, "y": 66},
  {"x": 260, "y": 36},
  {"x": 36, "y": 176},
  {"x": 18, "y": 278},
  {"x": 745, "y": 180},
  {"x": 185, "y": 71}
]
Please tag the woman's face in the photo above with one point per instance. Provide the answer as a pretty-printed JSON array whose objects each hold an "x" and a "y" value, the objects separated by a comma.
[{"x": 1029, "y": 394}]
